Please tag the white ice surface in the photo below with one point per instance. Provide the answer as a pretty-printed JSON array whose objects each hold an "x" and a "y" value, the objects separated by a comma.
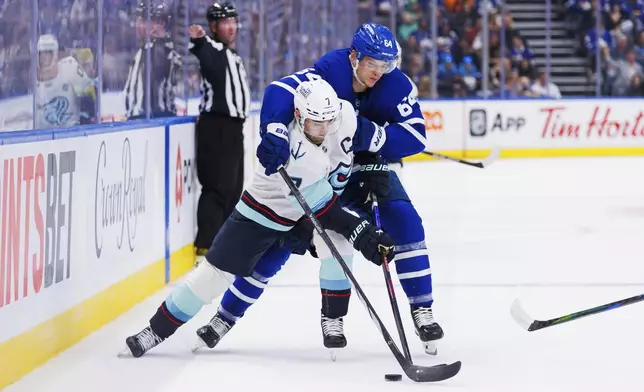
[{"x": 561, "y": 234}]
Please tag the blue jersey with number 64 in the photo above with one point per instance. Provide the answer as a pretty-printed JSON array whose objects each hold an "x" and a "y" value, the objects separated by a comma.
[{"x": 391, "y": 103}]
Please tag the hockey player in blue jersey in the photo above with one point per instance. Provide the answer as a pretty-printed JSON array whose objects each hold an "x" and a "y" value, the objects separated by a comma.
[
  {"x": 366, "y": 75},
  {"x": 267, "y": 224}
]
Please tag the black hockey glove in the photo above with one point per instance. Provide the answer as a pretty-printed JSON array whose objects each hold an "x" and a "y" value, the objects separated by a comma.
[
  {"x": 372, "y": 243},
  {"x": 373, "y": 176},
  {"x": 300, "y": 238}
]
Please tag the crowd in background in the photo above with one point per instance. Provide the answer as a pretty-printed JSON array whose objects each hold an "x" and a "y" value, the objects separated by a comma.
[
  {"x": 459, "y": 49},
  {"x": 618, "y": 44},
  {"x": 296, "y": 32}
]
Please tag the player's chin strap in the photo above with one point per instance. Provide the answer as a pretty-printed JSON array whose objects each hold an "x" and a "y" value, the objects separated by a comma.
[{"x": 355, "y": 72}]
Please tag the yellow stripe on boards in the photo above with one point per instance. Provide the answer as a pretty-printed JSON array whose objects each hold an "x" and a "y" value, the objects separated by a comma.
[
  {"x": 536, "y": 153},
  {"x": 31, "y": 349}
]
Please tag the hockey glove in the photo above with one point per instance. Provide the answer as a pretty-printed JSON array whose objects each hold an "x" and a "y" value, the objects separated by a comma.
[
  {"x": 300, "y": 238},
  {"x": 369, "y": 136},
  {"x": 371, "y": 242},
  {"x": 272, "y": 151},
  {"x": 373, "y": 177}
]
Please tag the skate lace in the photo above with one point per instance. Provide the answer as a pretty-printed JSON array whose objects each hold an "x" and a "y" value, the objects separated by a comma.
[
  {"x": 332, "y": 327},
  {"x": 423, "y": 316},
  {"x": 148, "y": 339},
  {"x": 220, "y": 326}
]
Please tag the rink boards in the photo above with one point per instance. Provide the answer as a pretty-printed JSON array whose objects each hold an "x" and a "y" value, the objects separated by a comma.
[
  {"x": 92, "y": 221},
  {"x": 95, "y": 219},
  {"x": 530, "y": 128}
]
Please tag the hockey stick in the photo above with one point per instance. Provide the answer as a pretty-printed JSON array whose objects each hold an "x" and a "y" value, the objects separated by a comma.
[
  {"x": 530, "y": 324},
  {"x": 390, "y": 284},
  {"x": 414, "y": 372},
  {"x": 483, "y": 164}
]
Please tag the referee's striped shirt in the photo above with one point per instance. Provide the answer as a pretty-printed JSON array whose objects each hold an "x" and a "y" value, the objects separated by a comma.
[
  {"x": 165, "y": 64},
  {"x": 224, "y": 84}
]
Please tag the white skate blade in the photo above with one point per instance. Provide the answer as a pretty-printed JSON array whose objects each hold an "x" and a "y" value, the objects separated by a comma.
[
  {"x": 430, "y": 348},
  {"x": 124, "y": 353},
  {"x": 333, "y": 354},
  {"x": 199, "y": 345}
]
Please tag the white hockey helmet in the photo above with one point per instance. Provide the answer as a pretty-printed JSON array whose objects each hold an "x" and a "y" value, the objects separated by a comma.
[
  {"x": 317, "y": 109},
  {"x": 47, "y": 43}
]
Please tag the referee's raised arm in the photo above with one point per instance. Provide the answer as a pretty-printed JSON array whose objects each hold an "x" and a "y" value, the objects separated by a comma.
[{"x": 224, "y": 106}]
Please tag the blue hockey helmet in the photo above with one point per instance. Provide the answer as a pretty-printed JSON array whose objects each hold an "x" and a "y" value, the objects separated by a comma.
[{"x": 378, "y": 42}]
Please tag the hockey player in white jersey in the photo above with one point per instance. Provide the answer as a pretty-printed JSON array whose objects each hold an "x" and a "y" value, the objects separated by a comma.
[
  {"x": 65, "y": 95},
  {"x": 269, "y": 220}
]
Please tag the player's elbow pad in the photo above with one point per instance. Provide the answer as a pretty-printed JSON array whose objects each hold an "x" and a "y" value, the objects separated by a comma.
[{"x": 334, "y": 217}]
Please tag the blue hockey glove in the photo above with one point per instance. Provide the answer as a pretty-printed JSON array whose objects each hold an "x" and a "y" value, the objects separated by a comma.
[
  {"x": 272, "y": 151},
  {"x": 369, "y": 136}
]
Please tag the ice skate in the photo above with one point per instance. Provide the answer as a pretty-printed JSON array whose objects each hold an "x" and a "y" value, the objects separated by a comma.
[
  {"x": 333, "y": 335},
  {"x": 139, "y": 344},
  {"x": 427, "y": 329},
  {"x": 211, "y": 333}
]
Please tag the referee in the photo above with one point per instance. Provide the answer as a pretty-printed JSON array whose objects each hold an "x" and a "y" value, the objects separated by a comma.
[
  {"x": 165, "y": 64},
  {"x": 225, "y": 104}
]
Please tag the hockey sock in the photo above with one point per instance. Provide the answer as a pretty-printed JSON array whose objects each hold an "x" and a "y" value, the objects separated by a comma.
[
  {"x": 163, "y": 323},
  {"x": 404, "y": 225},
  {"x": 241, "y": 295},
  {"x": 246, "y": 290},
  {"x": 335, "y": 303},
  {"x": 180, "y": 306},
  {"x": 335, "y": 287}
]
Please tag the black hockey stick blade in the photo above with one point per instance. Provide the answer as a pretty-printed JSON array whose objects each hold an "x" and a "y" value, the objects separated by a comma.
[
  {"x": 432, "y": 373},
  {"x": 494, "y": 155},
  {"x": 414, "y": 372},
  {"x": 530, "y": 324}
]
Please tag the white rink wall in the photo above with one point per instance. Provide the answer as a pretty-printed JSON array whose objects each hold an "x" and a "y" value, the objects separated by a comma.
[{"x": 96, "y": 218}]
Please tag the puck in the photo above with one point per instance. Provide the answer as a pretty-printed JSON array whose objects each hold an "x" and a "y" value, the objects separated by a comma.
[{"x": 393, "y": 377}]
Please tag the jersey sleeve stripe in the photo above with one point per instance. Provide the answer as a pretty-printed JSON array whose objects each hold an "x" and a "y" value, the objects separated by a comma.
[
  {"x": 217, "y": 45},
  {"x": 285, "y": 87},
  {"x": 296, "y": 79},
  {"x": 414, "y": 132},
  {"x": 415, "y": 120},
  {"x": 266, "y": 212}
]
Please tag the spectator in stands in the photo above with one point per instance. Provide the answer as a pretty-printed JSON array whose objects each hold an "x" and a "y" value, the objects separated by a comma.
[
  {"x": 415, "y": 69},
  {"x": 618, "y": 52},
  {"x": 526, "y": 69},
  {"x": 540, "y": 87},
  {"x": 447, "y": 38},
  {"x": 625, "y": 76},
  {"x": 520, "y": 53},
  {"x": 639, "y": 48},
  {"x": 616, "y": 15},
  {"x": 470, "y": 73},
  {"x": 425, "y": 87},
  {"x": 422, "y": 36},
  {"x": 410, "y": 16}
]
